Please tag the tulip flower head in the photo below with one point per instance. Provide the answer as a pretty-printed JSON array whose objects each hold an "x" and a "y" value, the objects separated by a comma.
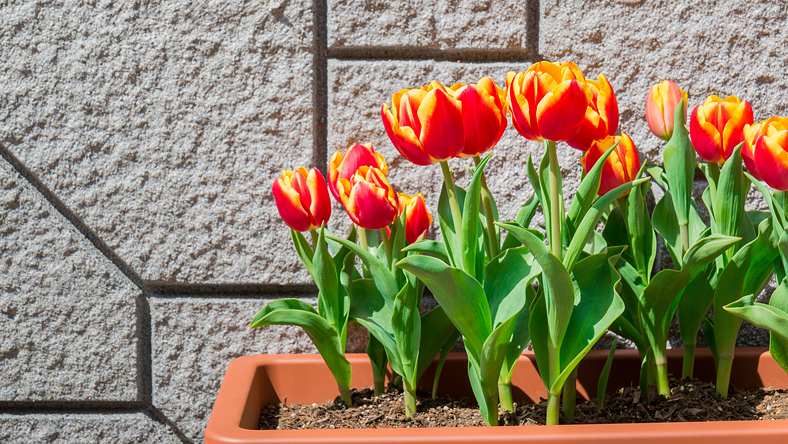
[
  {"x": 425, "y": 125},
  {"x": 483, "y": 115},
  {"x": 417, "y": 219},
  {"x": 751, "y": 135},
  {"x": 344, "y": 166},
  {"x": 368, "y": 198},
  {"x": 621, "y": 166},
  {"x": 548, "y": 101},
  {"x": 661, "y": 103},
  {"x": 302, "y": 199},
  {"x": 717, "y": 126},
  {"x": 771, "y": 154},
  {"x": 601, "y": 118}
]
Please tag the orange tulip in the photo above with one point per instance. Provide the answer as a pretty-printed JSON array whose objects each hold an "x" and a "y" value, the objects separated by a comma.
[
  {"x": 344, "y": 166},
  {"x": 771, "y": 154},
  {"x": 601, "y": 118},
  {"x": 548, "y": 101},
  {"x": 661, "y": 105},
  {"x": 483, "y": 115},
  {"x": 425, "y": 125},
  {"x": 751, "y": 135},
  {"x": 717, "y": 126},
  {"x": 368, "y": 198},
  {"x": 302, "y": 199},
  {"x": 417, "y": 219},
  {"x": 622, "y": 164}
]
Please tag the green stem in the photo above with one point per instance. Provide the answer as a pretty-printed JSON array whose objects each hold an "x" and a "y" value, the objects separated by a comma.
[
  {"x": 344, "y": 393},
  {"x": 362, "y": 235},
  {"x": 505, "y": 395},
  {"x": 379, "y": 383},
  {"x": 315, "y": 238},
  {"x": 410, "y": 401},
  {"x": 714, "y": 172},
  {"x": 553, "y": 408},
  {"x": 491, "y": 399},
  {"x": 663, "y": 386},
  {"x": 688, "y": 363},
  {"x": 487, "y": 209},
  {"x": 556, "y": 206},
  {"x": 570, "y": 396},
  {"x": 684, "y": 230},
  {"x": 386, "y": 245},
  {"x": 553, "y": 399},
  {"x": 724, "y": 375},
  {"x": 454, "y": 204}
]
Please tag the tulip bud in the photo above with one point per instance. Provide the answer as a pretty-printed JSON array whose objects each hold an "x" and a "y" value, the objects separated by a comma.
[
  {"x": 302, "y": 199},
  {"x": 621, "y": 166},
  {"x": 417, "y": 219},
  {"x": 601, "y": 118},
  {"x": 344, "y": 166},
  {"x": 368, "y": 198},
  {"x": 548, "y": 101},
  {"x": 717, "y": 126},
  {"x": 425, "y": 125},
  {"x": 771, "y": 154},
  {"x": 661, "y": 105},
  {"x": 483, "y": 115}
]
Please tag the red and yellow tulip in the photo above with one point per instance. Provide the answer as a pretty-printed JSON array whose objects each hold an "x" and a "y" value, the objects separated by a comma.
[
  {"x": 368, "y": 198},
  {"x": 344, "y": 166},
  {"x": 548, "y": 101},
  {"x": 661, "y": 105},
  {"x": 302, "y": 199},
  {"x": 417, "y": 218},
  {"x": 622, "y": 164},
  {"x": 751, "y": 135},
  {"x": 425, "y": 125},
  {"x": 717, "y": 126},
  {"x": 483, "y": 115},
  {"x": 771, "y": 154},
  {"x": 601, "y": 118}
]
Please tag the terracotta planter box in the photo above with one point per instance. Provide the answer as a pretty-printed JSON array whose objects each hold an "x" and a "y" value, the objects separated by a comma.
[{"x": 254, "y": 381}]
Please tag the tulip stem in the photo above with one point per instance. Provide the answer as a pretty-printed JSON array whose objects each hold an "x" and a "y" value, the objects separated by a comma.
[
  {"x": 386, "y": 244},
  {"x": 315, "y": 238},
  {"x": 454, "y": 204},
  {"x": 570, "y": 396},
  {"x": 556, "y": 206},
  {"x": 362, "y": 235},
  {"x": 487, "y": 208}
]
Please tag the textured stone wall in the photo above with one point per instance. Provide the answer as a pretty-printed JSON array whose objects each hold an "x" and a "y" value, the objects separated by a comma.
[{"x": 139, "y": 140}]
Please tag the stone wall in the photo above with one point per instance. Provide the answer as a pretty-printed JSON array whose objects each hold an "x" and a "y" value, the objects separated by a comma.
[{"x": 139, "y": 141}]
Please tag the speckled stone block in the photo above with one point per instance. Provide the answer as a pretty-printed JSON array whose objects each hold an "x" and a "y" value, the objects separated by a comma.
[
  {"x": 132, "y": 428},
  {"x": 164, "y": 124},
  {"x": 68, "y": 317}
]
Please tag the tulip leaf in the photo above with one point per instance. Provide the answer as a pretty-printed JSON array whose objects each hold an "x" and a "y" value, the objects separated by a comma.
[
  {"x": 433, "y": 248},
  {"x": 370, "y": 309},
  {"x": 436, "y": 329},
  {"x": 406, "y": 325},
  {"x": 587, "y": 192},
  {"x": 778, "y": 347},
  {"x": 384, "y": 280},
  {"x": 666, "y": 223},
  {"x": 775, "y": 208},
  {"x": 659, "y": 176},
  {"x": 304, "y": 251},
  {"x": 708, "y": 333},
  {"x": 730, "y": 196},
  {"x": 495, "y": 349},
  {"x": 523, "y": 219},
  {"x": 378, "y": 357},
  {"x": 478, "y": 391},
  {"x": 460, "y": 295},
  {"x": 536, "y": 184},
  {"x": 323, "y": 335},
  {"x": 470, "y": 220},
  {"x": 761, "y": 315},
  {"x": 679, "y": 157},
  {"x": 601, "y": 386},
  {"x": 335, "y": 301},
  {"x": 693, "y": 307}
]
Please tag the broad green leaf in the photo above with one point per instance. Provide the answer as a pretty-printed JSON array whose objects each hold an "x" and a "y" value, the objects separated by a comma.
[
  {"x": 615, "y": 232},
  {"x": 493, "y": 352},
  {"x": 478, "y": 392},
  {"x": 587, "y": 192},
  {"x": 646, "y": 363},
  {"x": 559, "y": 293},
  {"x": 470, "y": 220},
  {"x": 521, "y": 336},
  {"x": 659, "y": 176},
  {"x": 601, "y": 387},
  {"x": 304, "y": 251},
  {"x": 406, "y": 326},
  {"x": 433, "y": 248},
  {"x": 679, "y": 159},
  {"x": 436, "y": 329},
  {"x": 322, "y": 334},
  {"x": 761, "y": 315},
  {"x": 332, "y": 294},
  {"x": 642, "y": 242},
  {"x": 523, "y": 219},
  {"x": 377, "y": 357},
  {"x": 708, "y": 333},
  {"x": 665, "y": 222},
  {"x": 695, "y": 301},
  {"x": 623, "y": 327},
  {"x": 460, "y": 295},
  {"x": 384, "y": 280},
  {"x": 774, "y": 206},
  {"x": 778, "y": 347},
  {"x": 730, "y": 197}
]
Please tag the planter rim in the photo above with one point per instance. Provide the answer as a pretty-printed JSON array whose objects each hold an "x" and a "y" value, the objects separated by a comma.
[{"x": 237, "y": 410}]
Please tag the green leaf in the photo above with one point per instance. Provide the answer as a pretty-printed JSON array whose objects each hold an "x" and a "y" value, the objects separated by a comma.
[
  {"x": 761, "y": 315},
  {"x": 695, "y": 301},
  {"x": 659, "y": 176},
  {"x": 332, "y": 294},
  {"x": 433, "y": 248},
  {"x": 494, "y": 352},
  {"x": 536, "y": 181},
  {"x": 384, "y": 280},
  {"x": 304, "y": 251},
  {"x": 708, "y": 333},
  {"x": 436, "y": 329},
  {"x": 679, "y": 159},
  {"x": 587, "y": 192},
  {"x": 478, "y": 391},
  {"x": 642, "y": 242},
  {"x": 523, "y": 219},
  {"x": 322, "y": 334},
  {"x": 460, "y": 295},
  {"x": 730, "y": 197},
  {"x": 406, "y": 325},
  {"x": 377, "y": 357},
  {"x": 646, "y": 363},
  {"x": 778, "y": 347},
  {"x": 470, "y": 219},
  {"x": 601, "y": 387}
]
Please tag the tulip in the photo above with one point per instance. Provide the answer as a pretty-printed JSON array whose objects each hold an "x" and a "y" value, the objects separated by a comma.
[
  {"x": 417, "y": 219},
  {"x": 425, "y": 125},
  {"x": 483, "y": 115},
  {"x": 771, "y": 155},
  {"x": 344, "y": 166},
  {"x": 621, "y": 166},
  {"x": 601, "y": 118},
  {"x": 368, "y": 198},
  {"x": 548, "y": 101},
  {"x": 717, "y": 126},
  {"x": 751, "y": 135},
  {"x": 661, "y": 105},
  {"x": 302, "y": 199}
]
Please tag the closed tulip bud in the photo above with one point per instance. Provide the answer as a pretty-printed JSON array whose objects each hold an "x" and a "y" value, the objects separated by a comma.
[
  {"x": 661, "y": 103},
  {"x": 483, "y": 115},
  {"x": 601, "y": 118},
  {"x": 771, "y": 154},
  {"x": 621, "y": 166},
  {"x": 548, "y": 101},
  {"x": 368, "y": 198},
  {"x": 302, "y": 199},
  {"x": 425, "y": 125},
  {"x": 717, "y": 126},
  {"x": 344, "y": 166},
  {"x": 417, "y": 219}
]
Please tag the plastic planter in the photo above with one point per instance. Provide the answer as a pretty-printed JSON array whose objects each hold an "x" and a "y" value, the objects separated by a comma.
[{"x": 254, "y": 381}]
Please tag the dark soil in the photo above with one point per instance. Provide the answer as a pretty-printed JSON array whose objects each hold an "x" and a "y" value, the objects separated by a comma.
[{"x": 690, "y": 401}]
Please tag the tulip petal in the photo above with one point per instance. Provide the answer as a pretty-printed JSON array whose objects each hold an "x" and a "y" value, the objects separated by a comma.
[
  {"x": 481, "y": 120},
  {"x": 369, "y": 207},
  {"x": 771, "y": 159},
  {"x": 405, "y": 140},
  {"x": 561, "y": 111},
  {"x": 409, "y": 108},
  {"x": 320, "y": 206},
  {"x": 441, "y": 134},
  {"x": 607, "y": 105},
  {"x": 705, "y": 137},
  {"x": 289, "y": 206}
]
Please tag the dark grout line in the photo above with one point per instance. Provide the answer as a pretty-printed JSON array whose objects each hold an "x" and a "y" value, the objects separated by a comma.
[
  {"x": 320, "y": 88},
  {"x": 66, "y": 407},
  {"x": 420, "y": 53},
  {"x": 144, "y": 350},
  {"x": 532, "y": 29},
  {"x": 256, "y": 291},
  {"x": 156, "y": 415},
  {"x": 75, "y": 220}
]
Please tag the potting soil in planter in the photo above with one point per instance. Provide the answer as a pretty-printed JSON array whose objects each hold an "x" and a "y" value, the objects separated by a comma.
[{"x": 690, "y": 401}]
